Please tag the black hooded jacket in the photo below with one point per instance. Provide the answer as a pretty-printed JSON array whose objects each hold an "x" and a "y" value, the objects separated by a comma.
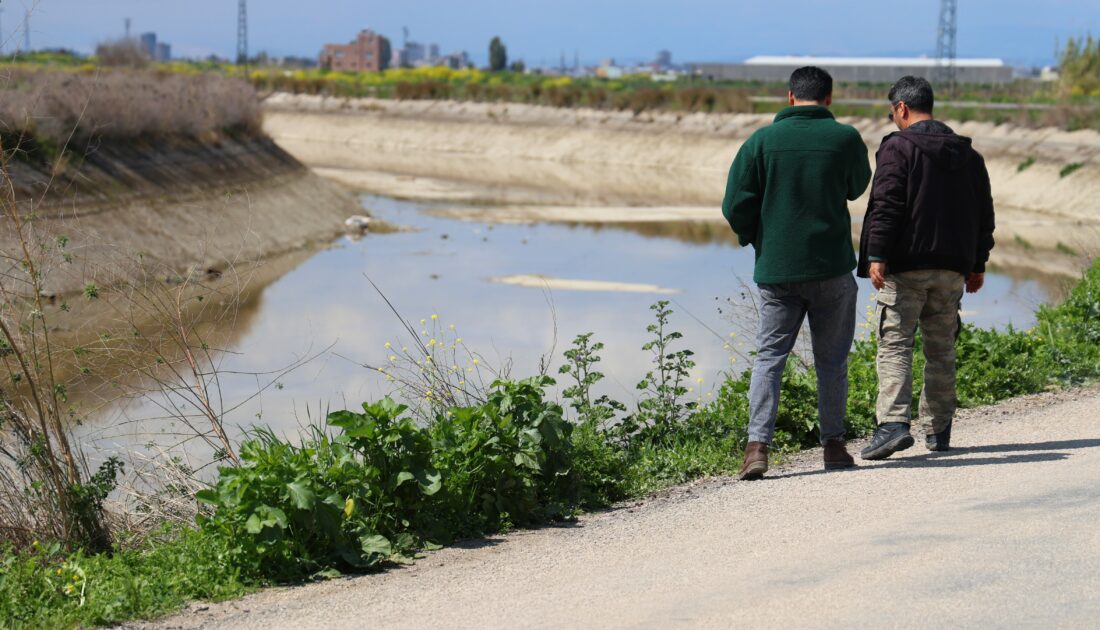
[{"x": 931, "y": 205}]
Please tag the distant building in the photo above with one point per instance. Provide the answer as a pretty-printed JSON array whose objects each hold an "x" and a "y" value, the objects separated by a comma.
[
  {"x": 364, "y": 54},
  {"x": 415, "y": 54},
  {"x": 164, "y": 52},
  {"x": 664, "y": 60},
  {"x": 855, "y": 69},
  {"x": 456, "y": 60},
  {"x": 149, "y": 44},
  {"x": 608, "y": 70}
]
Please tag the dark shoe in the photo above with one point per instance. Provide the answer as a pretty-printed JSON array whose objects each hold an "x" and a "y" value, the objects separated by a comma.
[
  {"x": 756, "y": 462},
  {"x": 889, "y": 438},
  {"x": 939, "y": 441},
  {"x": 837, "y": 457}
]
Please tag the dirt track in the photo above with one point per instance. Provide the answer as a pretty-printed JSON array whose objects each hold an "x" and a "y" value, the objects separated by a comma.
[{"x": 998, "y": 532}]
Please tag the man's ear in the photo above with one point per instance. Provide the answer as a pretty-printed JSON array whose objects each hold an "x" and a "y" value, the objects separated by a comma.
[
  {"x": 790, "y": 97},
  {"x": 829, "y": 101}
]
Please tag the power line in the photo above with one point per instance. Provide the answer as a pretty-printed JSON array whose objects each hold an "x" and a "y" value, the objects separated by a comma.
[
  {"x": 946, "y": 40},
  {"x": 242, "y": 32}
]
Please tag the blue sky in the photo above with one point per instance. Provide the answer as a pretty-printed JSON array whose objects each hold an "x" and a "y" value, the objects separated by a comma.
[{"x": 694, "y": 30}]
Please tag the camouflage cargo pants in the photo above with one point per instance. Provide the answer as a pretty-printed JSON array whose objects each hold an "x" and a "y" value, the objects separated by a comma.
[{"x": 930, "y": 299}]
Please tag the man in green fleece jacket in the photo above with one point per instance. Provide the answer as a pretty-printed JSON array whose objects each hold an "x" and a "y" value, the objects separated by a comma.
[{"x": 788, "y": 196}]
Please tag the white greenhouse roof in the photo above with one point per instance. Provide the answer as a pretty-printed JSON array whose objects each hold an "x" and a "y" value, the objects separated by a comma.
[{"x": 870, "y": 61}]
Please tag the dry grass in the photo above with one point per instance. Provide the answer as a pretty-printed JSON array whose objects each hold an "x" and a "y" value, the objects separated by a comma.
[{"x": 54, "y": 105}]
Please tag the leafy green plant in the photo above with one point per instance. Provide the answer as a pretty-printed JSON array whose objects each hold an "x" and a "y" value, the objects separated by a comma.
[
  {"x": 1026, "y": 164},
  {"x": 382, "y": 486},
  {"x": 662, "y": 406},
  {"x": 344, "y": 502},
  {"x": 581, "y": 360}
]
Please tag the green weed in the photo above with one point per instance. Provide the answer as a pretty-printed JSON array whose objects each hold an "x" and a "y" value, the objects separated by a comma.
[
  {"x": 1070, "y": 169},
  {"x": 1026, "y": 164}
]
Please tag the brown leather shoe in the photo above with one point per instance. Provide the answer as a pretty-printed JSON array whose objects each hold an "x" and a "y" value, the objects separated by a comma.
[
  {"x": 837, "y": 457},
  {"x": 756, "y": 462}
]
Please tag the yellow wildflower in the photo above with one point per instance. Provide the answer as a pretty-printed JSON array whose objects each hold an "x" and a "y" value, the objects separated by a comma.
[
  {"x": 434, "y": 317},
  {"x": 476, "y": 361},
  {"x": 388, "y": 345}
]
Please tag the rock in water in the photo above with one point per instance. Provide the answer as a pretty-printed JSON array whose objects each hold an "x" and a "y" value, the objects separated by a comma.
[{"x": 357, "y": 223}]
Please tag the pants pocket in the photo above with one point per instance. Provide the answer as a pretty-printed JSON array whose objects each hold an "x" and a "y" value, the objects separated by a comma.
[{"x": 887, "y": 298}]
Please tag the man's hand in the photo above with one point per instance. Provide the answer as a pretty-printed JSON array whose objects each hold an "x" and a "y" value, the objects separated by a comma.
[
  {"x": 878, "y": 275},
  {"x": 974, "y": 282}
]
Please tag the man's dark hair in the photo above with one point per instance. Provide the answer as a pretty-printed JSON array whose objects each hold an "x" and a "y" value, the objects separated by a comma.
[
  {"x": 811, "y": 83},
  {"x": 915, "y": 92}
]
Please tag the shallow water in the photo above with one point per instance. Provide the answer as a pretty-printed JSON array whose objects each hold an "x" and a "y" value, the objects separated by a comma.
[{"x": 443, "y": 267}]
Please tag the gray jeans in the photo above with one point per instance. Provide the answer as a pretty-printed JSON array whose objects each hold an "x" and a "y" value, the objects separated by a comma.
[{"x": 831, "y": 307}]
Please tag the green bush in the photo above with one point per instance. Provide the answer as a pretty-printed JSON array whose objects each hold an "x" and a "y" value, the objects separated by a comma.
[{"x": 382, "y": 486}]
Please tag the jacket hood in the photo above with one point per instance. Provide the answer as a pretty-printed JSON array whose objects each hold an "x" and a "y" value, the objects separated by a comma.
[{"x": 939, "y": 142}]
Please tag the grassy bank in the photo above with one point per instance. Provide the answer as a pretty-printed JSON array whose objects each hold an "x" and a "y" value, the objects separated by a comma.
[
  {"x": 1073, "y": 103},
  {"x": 381, "y": 483},
  {"x": 57, "y": 114}
]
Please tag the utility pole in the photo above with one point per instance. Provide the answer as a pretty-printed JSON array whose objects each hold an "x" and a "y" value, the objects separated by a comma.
[
  {"x": 242, "y": 33},
  {"x": 27, "y": 31},
  {"x": 1, "y": 31},
  {"x": 946, "y": 40},
  {"x": 127, "y": 21}
]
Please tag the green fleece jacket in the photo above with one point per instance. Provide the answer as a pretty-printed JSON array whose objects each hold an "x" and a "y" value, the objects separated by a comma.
[{"x": 788, "y": 191}]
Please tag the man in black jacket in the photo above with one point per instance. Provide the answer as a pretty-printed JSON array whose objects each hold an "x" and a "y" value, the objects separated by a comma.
[{"x": 926, "y": 236}]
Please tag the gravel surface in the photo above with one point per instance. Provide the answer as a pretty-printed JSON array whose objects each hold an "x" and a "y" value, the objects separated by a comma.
[{"x": 1000, "y": 531}]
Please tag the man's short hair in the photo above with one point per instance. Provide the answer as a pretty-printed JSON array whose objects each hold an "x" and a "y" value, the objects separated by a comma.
[
  {"x": 916, "y": 92},
  {"x": 811, "y": 83}
]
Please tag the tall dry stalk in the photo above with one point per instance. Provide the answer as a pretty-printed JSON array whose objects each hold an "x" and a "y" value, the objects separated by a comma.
[{"x": 46, "y": 486}]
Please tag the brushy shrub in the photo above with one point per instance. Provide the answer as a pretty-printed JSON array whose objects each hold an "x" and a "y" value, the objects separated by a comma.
[
  {"x": 127, "y": 53},
  {"x": 51, "y": 106}
]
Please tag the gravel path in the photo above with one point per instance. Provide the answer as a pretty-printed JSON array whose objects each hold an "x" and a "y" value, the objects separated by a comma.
[{"x": 1001, "y": 531}]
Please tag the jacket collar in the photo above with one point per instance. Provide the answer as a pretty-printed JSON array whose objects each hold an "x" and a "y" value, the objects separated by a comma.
[{"x": 804, "y": 111}]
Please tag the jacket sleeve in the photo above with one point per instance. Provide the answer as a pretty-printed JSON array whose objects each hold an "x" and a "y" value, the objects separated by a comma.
[
  {"x": 744, "y": 195},
  {"x": 860, "y": 173},
  {"x": 986, "y": 219},
  {"x": 890, "y": 191}
]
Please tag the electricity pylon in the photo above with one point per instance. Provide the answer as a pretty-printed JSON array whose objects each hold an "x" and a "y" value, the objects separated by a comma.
[
  {"x": 946, "y": 43},
  {"x": 242, "y": 33}
]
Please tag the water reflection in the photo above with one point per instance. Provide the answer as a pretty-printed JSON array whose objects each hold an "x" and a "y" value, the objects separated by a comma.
[{"x": 443, "y": 266}]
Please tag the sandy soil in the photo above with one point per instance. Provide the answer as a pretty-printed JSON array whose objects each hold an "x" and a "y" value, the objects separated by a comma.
[
  {"x": 998, "y": 532},
  {"x": 565, "y": 284},
  {"x": 587, "y": 165}
]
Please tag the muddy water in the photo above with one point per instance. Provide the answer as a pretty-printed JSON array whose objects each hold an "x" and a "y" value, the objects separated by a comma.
[{"x": 514, "y": 294}]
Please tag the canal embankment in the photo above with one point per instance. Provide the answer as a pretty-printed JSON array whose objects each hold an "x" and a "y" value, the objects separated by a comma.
[{"x": 519, "y": 162}]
